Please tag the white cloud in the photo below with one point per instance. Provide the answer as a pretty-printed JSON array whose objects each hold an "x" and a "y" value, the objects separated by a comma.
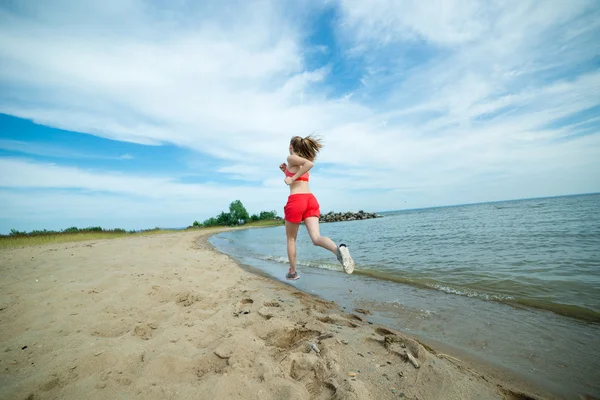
[
  {"x": 57, "y": 151},
  {"x": 34, "y": 192},
  {"x": 56, "y": 210},
  {"x": 458, "y": 22},
  {"x": 24, "y": 174},
  {"x": 440, "y": 21},
  {"x": 452, "y": 91}
]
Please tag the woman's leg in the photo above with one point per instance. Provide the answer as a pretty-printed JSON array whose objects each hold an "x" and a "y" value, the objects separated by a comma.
[
  {"x": 312, "y": 225},
  {"x": 291, "y": 231},
  {"x": 342, "y": 253}
]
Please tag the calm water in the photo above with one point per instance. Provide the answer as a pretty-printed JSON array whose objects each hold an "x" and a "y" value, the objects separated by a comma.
[{"x": 515, "y": 283}]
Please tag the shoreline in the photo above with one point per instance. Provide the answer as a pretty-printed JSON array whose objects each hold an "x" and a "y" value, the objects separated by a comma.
[
  {"x": 168, "y": 316},
  {"x": 500, "y": 375}
]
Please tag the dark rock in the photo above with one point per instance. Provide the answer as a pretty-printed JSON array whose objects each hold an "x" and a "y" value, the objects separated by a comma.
[{"x": 347, "y": 216}]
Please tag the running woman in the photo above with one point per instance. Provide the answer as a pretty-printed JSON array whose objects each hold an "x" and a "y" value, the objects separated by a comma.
[{"x": 302, "y": 205}]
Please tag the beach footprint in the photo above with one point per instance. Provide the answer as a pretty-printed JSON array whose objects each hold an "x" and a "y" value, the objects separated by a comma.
[
  {"x": 186, "y": 299},
  {"x": 313, "y": 372},
  {"x": 244, "y": 307},
  {"x": 269, "y": 309},
  {"x": 145, "y": 331},
  {"x": 288, "y": 339},
  {"x": 337, "y": 321},
  {"x": 111, "y": 329},
  {"x": 321, "y": 390},
  {"x": 402, "y": 346}
]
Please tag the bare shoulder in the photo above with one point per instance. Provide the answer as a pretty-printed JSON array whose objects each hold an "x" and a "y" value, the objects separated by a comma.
[{"x": 296, "y": 160}]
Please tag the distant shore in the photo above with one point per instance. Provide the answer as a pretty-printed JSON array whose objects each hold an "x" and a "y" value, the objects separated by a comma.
[{"x": 39, "y": 237}]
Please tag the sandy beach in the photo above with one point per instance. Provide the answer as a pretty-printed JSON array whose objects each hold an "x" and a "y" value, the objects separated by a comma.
[{"x": 167, "y": 317}]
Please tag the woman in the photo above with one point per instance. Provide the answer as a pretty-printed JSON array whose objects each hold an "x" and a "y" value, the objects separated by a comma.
[{"x": 303, "y": 206}]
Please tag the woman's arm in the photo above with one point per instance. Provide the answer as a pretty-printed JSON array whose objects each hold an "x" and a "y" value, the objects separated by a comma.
[{"x": 304, "y": 164}]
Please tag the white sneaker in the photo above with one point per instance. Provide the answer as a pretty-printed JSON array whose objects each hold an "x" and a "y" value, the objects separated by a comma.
[{"x": 343, "y": 256}]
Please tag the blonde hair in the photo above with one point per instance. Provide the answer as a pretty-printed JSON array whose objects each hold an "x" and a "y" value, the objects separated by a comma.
[{"x": 306, "y": 147}]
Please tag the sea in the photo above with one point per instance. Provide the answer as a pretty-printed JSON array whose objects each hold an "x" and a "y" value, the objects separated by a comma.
[{"x": 513, "y": 284}]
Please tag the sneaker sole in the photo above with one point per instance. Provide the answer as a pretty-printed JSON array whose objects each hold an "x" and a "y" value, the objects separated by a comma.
[{"x": 347, "y": 261}]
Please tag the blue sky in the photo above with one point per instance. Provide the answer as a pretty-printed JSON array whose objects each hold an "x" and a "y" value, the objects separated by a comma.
[{"x": 138, "y": 114}]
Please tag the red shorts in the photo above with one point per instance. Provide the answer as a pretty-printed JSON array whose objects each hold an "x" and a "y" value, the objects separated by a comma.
[{"x": 301, "y": 206}]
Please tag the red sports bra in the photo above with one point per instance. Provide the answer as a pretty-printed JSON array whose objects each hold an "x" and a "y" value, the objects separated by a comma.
[{"x": 300, "y": 178}]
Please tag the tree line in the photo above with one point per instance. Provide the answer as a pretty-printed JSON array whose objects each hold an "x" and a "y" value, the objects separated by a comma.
[
  {"x": 237, "y": 215},
  {"x": 73, "y": 229}
]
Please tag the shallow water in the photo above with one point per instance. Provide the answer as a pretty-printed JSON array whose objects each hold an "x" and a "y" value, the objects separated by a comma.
[{"x": 514, "y": 283}]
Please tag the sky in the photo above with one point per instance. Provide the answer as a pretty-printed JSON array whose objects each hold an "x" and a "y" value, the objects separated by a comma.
[{"x": 136, "y": 114}]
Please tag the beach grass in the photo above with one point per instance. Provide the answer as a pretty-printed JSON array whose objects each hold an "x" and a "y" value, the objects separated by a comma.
[
  {"x": 63, "y": 237},
  {"x": 264, "y": 223},
  {"x": 24, "y": 241}
]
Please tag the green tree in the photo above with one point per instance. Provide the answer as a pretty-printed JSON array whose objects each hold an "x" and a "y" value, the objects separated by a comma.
[
  {"x": 196, "y": 224},
  {"x": 224, "y": 219},
  {"x": 212, "y": 221},
  {"x": 238, "y": 213},
  {"x": 267, "y": 215}
]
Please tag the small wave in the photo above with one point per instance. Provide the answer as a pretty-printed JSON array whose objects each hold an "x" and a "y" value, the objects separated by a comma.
[
  {"x": 284, "y": 260},
  {"x": 572, "y": 311},
  {"x": 470, "y": 293},
  {"x": 397, "y": 304},
  {"x": 558, "y": 308},
  {"x": 540, "y": 205},
  {"x": 281, "y": 260},
  {"x": 567, "y": 310}
]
